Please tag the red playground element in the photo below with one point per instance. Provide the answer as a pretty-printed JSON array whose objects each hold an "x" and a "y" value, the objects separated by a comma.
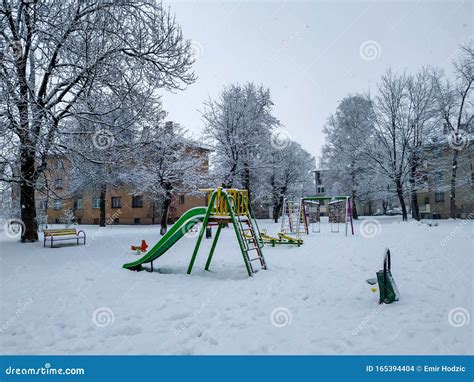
[{"x": 141, "y": 248}]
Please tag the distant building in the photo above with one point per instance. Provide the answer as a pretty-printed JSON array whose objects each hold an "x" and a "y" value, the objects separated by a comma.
[
  {"x": 434, "y": 196},
  {"x": 320, "y": 188},
  {"x": 123, "y": 204}
]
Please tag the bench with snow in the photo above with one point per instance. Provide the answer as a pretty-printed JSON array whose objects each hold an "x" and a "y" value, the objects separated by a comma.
[{"x": 55, "y": 235}]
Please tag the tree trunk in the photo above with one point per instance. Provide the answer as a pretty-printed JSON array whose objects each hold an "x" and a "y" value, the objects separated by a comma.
[
  {"x": 165, "y": 206},
  {"x": 415, "y": 210},
  {"x": 27, "y": 198},
  {"x": 355, "y": 215},
  {"x": 28, "y": 212},
  {"x": 153, "y": 207},
  {"x": 246, "y": 180},
  {"x": 398, "y": 183},
  {"x": 164, "y": 215},
  {"x": 452, "y": 199},
  {"x": 277, "y": 209},
  {"x": 103, "y": 192}
]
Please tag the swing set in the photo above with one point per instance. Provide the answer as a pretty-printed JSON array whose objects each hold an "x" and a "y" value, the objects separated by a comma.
[{"x": 299, "y": 217}]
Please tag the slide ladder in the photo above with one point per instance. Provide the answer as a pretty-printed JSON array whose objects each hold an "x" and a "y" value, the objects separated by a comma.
[{"x": 250, "y": 241}]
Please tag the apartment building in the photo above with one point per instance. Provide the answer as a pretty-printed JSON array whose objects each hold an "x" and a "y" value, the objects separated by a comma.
[
  {"x": 436, "y": 171},
  {"x": 124, "y": 205}
]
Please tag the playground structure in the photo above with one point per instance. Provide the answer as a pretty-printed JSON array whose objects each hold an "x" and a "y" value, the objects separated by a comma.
[
  {"x": 312, "y": 211},
  {"x": 292, "y": 218},
  {"x": 299, "y": 217},
  {"x": 282, "y": 238},
  {"x": 337, "y": 213},
  {"x": 225, "y": 206}
]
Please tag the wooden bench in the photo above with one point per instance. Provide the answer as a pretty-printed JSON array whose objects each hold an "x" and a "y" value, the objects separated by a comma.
[{"x": 63, "y": 234}]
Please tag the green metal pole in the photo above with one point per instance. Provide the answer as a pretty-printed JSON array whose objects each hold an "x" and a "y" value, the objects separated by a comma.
[
  {"x": 201, "y": 233},
  {"x": 213, "y": 247},
  {"x": 253, "y": 221}
]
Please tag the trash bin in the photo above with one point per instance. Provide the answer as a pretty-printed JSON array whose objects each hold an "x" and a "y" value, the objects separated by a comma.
[{"x": 387, "y": 287}]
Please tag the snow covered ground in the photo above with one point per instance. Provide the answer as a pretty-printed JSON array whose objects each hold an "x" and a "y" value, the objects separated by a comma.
[{"x": 312, "y": 300}]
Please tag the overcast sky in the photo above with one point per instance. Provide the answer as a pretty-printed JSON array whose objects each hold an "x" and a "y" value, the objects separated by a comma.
[{"x": 311, "y": 54}]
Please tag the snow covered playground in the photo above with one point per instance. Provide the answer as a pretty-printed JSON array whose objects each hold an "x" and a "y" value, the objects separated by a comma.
[{"x": 310, "y": 296}]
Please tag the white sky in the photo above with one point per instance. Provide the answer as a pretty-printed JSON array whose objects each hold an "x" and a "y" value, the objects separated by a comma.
[{"x": 308, "y": 53}]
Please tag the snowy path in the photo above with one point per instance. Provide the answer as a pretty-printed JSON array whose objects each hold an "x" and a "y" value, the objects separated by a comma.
[{"x": 78, "y": 299}]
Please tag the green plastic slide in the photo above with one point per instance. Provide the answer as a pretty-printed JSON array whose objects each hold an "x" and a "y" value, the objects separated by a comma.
[{"x": 187, "y": 221}]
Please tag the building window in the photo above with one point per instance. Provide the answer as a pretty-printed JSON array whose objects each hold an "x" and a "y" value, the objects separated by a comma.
[
  {"x": 439, "y": 197},
  {"x": 137, "y": 221},
  {"x": 322, "y": 202},
  {"x": 137, "y": 201},
  {"x": 182, "y": 199},
  {"x": 116, "y": 202},
  {"x": 321, "y": 190},
  {"x": 427, "y": 200},
  {"x": 78, "y": 204},
  {"x": 317, "y": 176},
  {"x": 96, "y": 203},
  {"x": 58, "y": 204},
  {"x": 58, "y": 184}
]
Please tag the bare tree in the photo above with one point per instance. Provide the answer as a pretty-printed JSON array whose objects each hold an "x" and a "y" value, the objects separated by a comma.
[
  {"x": 54, "y": 53},
  {"x": 421, "y": 120},
  {"x": 390, "y": 143},
  {"x": 238, "y": 125},
  {"x": 455, "y": 106},
  {"x": 168, "y": 164},
  {"x": 347, "y": 133},
  {"x": 289, "y": 172}
]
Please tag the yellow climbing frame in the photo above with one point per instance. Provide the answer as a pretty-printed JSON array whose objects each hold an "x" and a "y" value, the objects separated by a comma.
[{"x": 219, "y": 205}]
